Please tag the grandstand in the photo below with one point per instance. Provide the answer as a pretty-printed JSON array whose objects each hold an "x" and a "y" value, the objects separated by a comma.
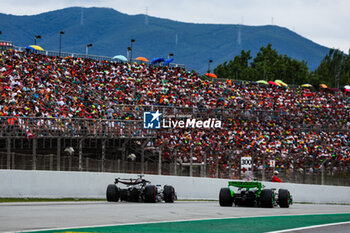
[{"x": 74, "y": 113}]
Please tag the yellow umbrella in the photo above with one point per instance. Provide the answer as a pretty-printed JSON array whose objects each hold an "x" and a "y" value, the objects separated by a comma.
[
  {"x": 35, "y": 47},
  {"x": 281, "y": 82},
  {"x": 306, "y": 85},
  {"x": 262, "y": 82}
]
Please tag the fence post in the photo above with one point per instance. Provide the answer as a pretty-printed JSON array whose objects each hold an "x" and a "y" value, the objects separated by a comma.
[
  {"x": 263, "y": 170},
  {"x": 124, "y": 155},
  {"x": 81, "y": 154},
  {"x": 87, "y": 164},
  {"x": 103, "y": 155},
  {"x": 146, "y": 167},
  {"x": 142, "y": 159},
  {"x": 51, "y": 161},
  {"x": 205, "y": 163},
  {"x": 8, "y": 153},
  {"x": 229, "y": 175},
  {"x": 217, "y": 166},
  {"x": 24, "y": 163},
  {"x": 118, "y": 165},
  {"x": 191, "y": 162},
  {"x": 70, "y": 162},
  {"x": 160, "y": 159},
  {"x": 58, "y": 154},
  {"x": 34, "y": 152},
  {"x": 322, "y": 175},
  {"x": 143, "y": 156},
  {"x": 175, "y": 162},
  {"x": 132, "y": 166},
  {"x": 322, "y": 171},
  {"x": 13, "y": 161}
]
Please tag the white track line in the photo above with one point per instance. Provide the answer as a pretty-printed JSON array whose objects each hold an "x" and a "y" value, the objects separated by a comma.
[
  {"x": 309, "y": 227},
  {"x": 165, "y": 221}
]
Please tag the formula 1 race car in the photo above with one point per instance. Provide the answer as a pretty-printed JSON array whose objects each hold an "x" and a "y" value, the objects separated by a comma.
[
  {"x": 139, "y": 190},
  {"x": 253, "y": 194}
]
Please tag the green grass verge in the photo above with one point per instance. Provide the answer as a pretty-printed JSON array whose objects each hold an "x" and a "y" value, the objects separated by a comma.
[{"x": 237, "y": 225}]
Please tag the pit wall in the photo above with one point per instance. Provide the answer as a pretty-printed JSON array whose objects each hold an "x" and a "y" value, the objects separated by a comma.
[{"x": 53, "y": 184}]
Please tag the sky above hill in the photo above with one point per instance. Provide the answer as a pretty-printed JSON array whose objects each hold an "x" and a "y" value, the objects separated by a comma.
[{"x": 323, "y": 21}]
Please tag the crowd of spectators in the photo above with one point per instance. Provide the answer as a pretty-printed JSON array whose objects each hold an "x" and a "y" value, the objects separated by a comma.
[{"x": 296, "y": 127}]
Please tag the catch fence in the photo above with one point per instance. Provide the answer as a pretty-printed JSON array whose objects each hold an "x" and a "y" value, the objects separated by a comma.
[
  {"x": 13, "y": 126},
  {"x": 329, "y": 176}
]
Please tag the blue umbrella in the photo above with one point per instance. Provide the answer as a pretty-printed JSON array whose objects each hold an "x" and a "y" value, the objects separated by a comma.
[
  {"x": 168, "y": 61},
  {"x": 120, "y": 57},
  {"x": 157, "y": 60}
]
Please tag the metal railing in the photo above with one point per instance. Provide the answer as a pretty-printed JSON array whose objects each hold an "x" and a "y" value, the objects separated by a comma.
[
  {"x": 76, "y": 55},
  {"x": 286, "y": 116},
  {"x": 72, "y": 127}
]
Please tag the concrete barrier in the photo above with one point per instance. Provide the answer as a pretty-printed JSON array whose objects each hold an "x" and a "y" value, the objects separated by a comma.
[{"x": 53, "y": 184}]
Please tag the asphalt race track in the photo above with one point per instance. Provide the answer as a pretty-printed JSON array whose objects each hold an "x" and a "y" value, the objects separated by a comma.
[{"x": 49, "y": 215}]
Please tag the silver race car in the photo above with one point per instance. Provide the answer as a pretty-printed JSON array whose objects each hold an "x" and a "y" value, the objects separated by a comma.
[{"x": 139, "y": 190}]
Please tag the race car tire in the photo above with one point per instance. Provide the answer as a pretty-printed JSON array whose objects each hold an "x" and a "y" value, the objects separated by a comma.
[
  {"x": 225, "y": 198},
  {"x": 123, "y": 195},
  {"x": 150, "y": 193},
  {"x": 168, "y": 193},
  {"x": 283, "y": 198},
  {"x": 112, "y": 193},
  {"x": 266, "y": 198}
]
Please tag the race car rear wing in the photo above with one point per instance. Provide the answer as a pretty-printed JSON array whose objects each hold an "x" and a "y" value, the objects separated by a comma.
[
  {"x": 245, "y": 184},
  {"x": 131, "y": 181}
]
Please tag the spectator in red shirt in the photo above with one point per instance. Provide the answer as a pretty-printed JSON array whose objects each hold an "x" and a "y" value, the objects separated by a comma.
[{"x": 275, "y": 178}]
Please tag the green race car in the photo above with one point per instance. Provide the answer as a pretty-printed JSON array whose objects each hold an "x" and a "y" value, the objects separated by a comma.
[{"x": 252, "y": 194}]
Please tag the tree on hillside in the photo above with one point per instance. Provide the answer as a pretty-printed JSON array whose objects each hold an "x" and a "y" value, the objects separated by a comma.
[
  {"x": 237, "y": 69},
  {"x": 267, "y": 65},
  {"x": 345, "y": 79},
  {"x": 334, "y": 69}
]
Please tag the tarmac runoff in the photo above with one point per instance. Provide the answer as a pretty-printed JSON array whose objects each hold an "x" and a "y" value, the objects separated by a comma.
[{"x": 65, "y": 216}]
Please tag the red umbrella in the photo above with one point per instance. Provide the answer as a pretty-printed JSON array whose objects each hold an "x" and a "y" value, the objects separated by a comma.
[
  {"x": 211, "y": 75},
  {"x": 273, "y": 83}
]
